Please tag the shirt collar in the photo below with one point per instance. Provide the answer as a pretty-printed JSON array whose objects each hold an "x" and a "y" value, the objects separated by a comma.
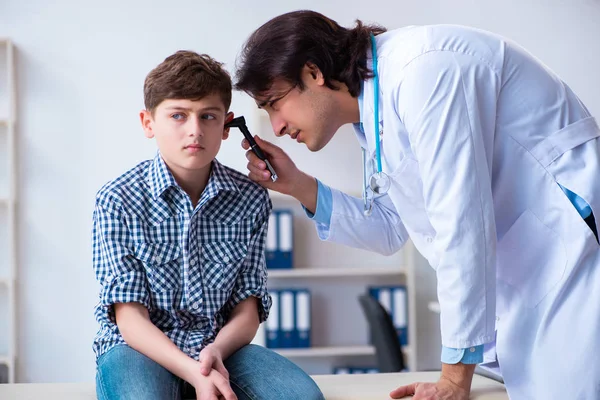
[{"x": 160, "y": 178}]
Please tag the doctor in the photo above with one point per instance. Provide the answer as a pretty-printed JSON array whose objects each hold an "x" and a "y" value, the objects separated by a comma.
[{"x": 481, "y": 155}]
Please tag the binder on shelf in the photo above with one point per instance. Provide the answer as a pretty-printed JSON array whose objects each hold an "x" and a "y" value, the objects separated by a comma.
[
  {"x": 280, "y": 240},
  {"x": 271, "y": 242},
  {"x": 354, "y": 370},
  {"x": 287, "y": 319},
  {"x": 341, "y": 370},
  {"x": 303, "y": 318},
  {"x": 272, "y": 324},
  {"x": 400, "y": 314},
  {"x": 394, "y": 301}
]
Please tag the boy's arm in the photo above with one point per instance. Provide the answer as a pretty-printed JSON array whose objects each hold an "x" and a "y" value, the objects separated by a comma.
[
  {"x": 238, "y": 332},
  {"x": 142, "y": 335},
  {"x": 125, "y": 293},
  {"x": 249, "y": 301}
]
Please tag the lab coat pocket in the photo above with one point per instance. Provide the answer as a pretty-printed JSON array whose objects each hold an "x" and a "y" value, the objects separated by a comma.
[
  {"x": 162, "y": 262},
  {"x": 221, "y": 262},
  {"x": 531, "y": 258}
]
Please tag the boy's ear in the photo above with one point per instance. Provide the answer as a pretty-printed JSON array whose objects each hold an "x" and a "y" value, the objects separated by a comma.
[
  {"x": 147, "y": 120},
  {"x": 228, "y": 118}
]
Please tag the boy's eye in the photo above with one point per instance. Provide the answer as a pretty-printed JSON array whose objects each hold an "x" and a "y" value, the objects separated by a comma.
[{"x": 177, "y": 116}]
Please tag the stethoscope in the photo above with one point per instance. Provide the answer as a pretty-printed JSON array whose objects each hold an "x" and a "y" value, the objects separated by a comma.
[{"x": 379, "y": 182}]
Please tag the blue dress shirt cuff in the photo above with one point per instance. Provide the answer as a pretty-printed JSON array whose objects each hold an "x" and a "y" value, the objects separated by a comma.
[
  {"x": 470, "y": 355},
  {"x": 324, "y": 205}
]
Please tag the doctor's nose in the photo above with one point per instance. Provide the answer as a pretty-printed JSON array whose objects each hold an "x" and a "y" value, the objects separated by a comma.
[{"x": 279, "y": 127}]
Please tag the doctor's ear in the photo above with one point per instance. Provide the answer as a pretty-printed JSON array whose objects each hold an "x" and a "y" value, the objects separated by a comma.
[{"x": 311, "y": 71}]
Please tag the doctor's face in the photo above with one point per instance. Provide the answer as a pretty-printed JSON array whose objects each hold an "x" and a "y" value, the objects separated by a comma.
[{"x": 307, "y": 116}]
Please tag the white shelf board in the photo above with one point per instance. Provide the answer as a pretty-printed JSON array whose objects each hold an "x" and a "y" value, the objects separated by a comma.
[
  {"x": 333, "y": 351},
  {"x": 335, "y": 272},
  {"x": 327, "y": 351}
]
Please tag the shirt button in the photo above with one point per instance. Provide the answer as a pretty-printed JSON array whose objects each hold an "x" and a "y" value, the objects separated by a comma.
[
  {"x": 193, "y": 261},
  {"x": 196, "y": 306},
  {"x": 225, "y": 259},
  {"x": 472, "y": 349}
]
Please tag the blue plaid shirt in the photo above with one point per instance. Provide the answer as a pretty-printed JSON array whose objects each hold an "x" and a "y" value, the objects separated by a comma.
[{"x": 188, "y": 266}]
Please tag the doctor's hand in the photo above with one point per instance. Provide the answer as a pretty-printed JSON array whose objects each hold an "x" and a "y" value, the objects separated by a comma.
[
  {"x": 287, "y": 172},
  {"x": 444, "y": 389}
]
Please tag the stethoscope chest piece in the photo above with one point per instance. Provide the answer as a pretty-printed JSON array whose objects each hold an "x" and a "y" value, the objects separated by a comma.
[{"x": 379, "y": 183}]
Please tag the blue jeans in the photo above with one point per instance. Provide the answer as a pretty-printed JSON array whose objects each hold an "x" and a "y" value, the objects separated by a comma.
[{"x": 255, "y": 373}]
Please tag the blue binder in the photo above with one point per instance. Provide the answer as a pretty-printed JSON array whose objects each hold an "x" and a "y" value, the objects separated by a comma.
[
  {"x": 280, "y": 240},
  {"x": 394, "y": 300},
  {"x": 272, "y": 323},
  {"x": 400, "y": 313},
  {"x": 287, "y": 319},
  {"x": 303, "y": 318}
]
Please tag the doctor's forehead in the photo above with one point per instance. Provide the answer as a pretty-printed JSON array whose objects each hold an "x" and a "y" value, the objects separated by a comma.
[{"x": 276, "y": 91}]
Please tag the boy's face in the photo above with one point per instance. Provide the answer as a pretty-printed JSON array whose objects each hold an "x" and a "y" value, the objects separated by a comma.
[{"x": 188, "y": 132}]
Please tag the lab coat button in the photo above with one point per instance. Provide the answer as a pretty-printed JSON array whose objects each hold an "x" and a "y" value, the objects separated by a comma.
[{"x": 429, "y": 239}]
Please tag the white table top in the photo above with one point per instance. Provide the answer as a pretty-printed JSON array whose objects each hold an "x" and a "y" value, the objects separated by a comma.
[{"x": 334, "y": 387}]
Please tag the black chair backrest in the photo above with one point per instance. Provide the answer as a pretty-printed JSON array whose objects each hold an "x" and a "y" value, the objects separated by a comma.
[{"x": 384, "y": 337}]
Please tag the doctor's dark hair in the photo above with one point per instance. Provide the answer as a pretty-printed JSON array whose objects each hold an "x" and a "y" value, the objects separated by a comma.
[{"x": 280, "y": 48}]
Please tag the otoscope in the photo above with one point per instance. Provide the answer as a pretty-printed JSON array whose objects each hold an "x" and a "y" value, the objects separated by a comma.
[{"x": 240, "y": 122}]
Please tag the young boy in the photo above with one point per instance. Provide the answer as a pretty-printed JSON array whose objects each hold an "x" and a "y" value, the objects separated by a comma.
[{"x": 179, "y": 252}]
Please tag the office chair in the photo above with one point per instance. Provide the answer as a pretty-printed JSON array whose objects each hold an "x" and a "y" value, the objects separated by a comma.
[{"x": 384, "y": 337}]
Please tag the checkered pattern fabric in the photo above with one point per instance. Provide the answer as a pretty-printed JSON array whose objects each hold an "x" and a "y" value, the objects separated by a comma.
[{"x": 189, "y": 266}]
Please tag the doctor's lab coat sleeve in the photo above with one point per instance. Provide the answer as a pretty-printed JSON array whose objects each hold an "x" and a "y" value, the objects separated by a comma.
[
  {"x": 447, "y": 102},
  {"x": 382, "y": 232}
]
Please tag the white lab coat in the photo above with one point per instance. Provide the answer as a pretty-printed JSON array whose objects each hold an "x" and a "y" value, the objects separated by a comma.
[{"x": 476, "y": 136}]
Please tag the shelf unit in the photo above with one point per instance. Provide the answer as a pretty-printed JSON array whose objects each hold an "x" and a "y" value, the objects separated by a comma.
[
  {"x": 332, "y": 351},
  {"x": 335, "y": 272},
  {"x": 8, "y": 203}
]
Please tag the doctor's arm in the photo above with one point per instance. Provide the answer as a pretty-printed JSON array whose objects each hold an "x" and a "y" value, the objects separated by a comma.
[
  {"x": 339, "y": 217},
  {"x": 447, "y": 115}
]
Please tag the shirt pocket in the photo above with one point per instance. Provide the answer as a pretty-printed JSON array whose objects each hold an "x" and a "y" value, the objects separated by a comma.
[
  {"x": 531, "y": 258},
  {"x": 162, "y": 262},
  {"x": 221, "y": 263}
]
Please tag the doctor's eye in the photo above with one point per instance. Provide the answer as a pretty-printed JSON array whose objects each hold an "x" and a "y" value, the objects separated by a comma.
[{"x": 208, "y": 116}]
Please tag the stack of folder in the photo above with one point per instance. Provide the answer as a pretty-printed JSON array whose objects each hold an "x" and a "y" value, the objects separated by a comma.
[
  {"x": 354, "y": 370},
  {"x": 394, "y": 300},
  {"x": 289, "y": 322}
]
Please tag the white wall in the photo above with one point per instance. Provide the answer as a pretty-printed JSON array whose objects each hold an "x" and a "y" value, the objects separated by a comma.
[{"x": 81, "y": 67}]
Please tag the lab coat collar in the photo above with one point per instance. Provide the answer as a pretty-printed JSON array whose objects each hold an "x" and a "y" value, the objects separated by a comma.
[{"x": 364, "y": 130}]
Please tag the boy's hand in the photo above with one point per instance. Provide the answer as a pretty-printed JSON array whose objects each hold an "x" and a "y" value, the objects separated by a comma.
[
  {"x": 210, "y": 358},
  {"x": 286, "y": 170},
  {"x": 213, "y": 387}
]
